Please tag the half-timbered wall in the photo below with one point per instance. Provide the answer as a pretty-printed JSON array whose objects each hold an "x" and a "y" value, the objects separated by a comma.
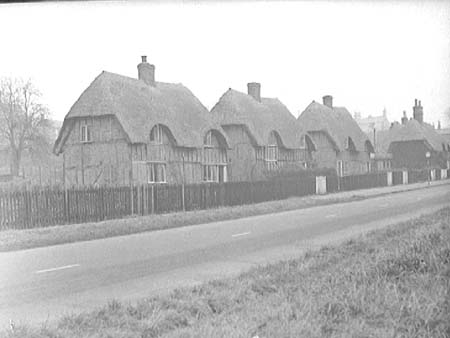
[
  {"x": 182, "y": 165},
  {"x": 325, "y": 156},
  {"x": 242, "y": 155},
  {"x": 103, "y": 159},
  {"x": 355, "y": 162}
]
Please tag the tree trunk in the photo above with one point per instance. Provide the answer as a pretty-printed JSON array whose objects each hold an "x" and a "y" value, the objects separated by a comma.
[{"x": 15, "y": 162}]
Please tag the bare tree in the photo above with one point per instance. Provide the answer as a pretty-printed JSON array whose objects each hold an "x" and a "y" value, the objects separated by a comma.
[{"x": 23, "y": 119}]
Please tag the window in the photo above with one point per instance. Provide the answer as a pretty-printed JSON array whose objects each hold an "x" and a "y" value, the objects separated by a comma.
[
  {"x": 156, "y": 173},
  {"x": 214, "y": 173},
  {"x": 156, "y": 135},
  {"x": 210, "y": 173},
  {"x": 85, "y": 134},
  {"x": 368, "y": 167},
  {"x": 208, "y": 139},
  {"x": 303, "y": 142},
  {"x": 271, "y": 153}
]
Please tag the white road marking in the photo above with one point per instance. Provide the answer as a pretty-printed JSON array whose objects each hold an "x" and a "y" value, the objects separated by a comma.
[
  {"x": 241, "y": 234},
  {"x": 331, "y": 216},
  {"x": 58, "y": 268}
]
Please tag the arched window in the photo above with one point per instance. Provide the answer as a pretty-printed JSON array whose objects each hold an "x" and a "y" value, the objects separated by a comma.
[
  {"x": 214, "y": 139},
  {"x": 308, "y": 144},
  {"x": 208, "y": 140},
  {"x": 156, "y": 134},
  {"x": 349, "y": 145}
]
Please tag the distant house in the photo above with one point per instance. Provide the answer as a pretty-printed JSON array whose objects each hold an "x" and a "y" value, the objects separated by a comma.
[
  {"x": 338, "y": 140},
  {"x": 371, "y": 124},
  {"x": 261, "y": 132},
  {"x": 411, "y": 140},
  {"x": 382, "y": 159},
  {"x": 123, "y": 130}
]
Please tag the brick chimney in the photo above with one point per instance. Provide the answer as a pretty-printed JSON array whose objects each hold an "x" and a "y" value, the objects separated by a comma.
[
  {"x": 404, "y": 118},
  {"x": 254, "y": 90},
  {"x": 146, "y": 72},
  {"x": 418, "y": 111},
  {"x": 328, "y": 101}
]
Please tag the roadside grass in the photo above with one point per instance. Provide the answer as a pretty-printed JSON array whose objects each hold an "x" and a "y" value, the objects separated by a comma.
[
  {"x": 11, "y": 240},
  {"x": 393, "y": 282}
]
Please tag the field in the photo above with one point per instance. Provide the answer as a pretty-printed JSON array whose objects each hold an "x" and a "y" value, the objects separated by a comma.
[{"x": 389, "y": 283}]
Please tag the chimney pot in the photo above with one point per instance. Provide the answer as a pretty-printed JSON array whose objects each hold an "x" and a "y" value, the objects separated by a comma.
[
  {"x": 254, "y": 90},
  {"x": 404, "y": 118},
  {"x": 146, "y": 72},
  {"x": 418, "y": 111},
  {"x": 328, "y": 101}
]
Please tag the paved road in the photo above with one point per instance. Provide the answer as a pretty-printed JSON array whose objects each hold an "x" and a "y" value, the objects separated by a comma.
[{"x": 42, "y": 283}]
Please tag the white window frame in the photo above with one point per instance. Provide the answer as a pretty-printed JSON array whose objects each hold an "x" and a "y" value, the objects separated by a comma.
[
  {"x": 153, "y": 174},
  {"x": 85, "y": 133},
  {"x": 157, "y": 134},
  {"x": 210, "y": 173},
  {"x": 208, "y": 139},
  {"x": 271, "y": 153}
]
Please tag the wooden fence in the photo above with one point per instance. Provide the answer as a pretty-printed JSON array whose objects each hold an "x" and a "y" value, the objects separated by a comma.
[
  {"x": 44, "y": 207},
  {"x": 51, "y": 206}
]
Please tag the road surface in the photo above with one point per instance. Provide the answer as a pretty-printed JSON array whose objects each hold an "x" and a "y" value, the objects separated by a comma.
[{"x": 45, "y": 283}]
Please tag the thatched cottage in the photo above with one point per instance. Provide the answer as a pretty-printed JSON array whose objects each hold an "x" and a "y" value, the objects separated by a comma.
[
  {"x": 409, "y": 142},
  {"x": 261, "y": 133},
  {"x": 338, "y": 140},
  {"x": 124, "y": 130}
]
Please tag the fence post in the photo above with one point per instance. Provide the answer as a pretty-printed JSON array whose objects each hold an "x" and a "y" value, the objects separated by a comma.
[
  {"x": 153, "y": 199},
  {"x": 321, "y": 185},
  {"x": 389, "y": 178}
]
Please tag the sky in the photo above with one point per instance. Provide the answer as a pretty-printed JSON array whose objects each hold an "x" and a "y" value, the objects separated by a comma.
[{"x": 367, "y": 55}]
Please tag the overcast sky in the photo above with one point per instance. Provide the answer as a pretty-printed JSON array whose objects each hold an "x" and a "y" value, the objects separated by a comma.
[{"x": 367, "y": 55}]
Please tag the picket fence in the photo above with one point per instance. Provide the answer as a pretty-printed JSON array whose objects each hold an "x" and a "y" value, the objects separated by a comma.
[{"x": 40, "y": 207}]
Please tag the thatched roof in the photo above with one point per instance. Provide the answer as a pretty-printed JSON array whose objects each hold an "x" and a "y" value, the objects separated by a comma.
[
  {"x": 337, "y": 123},
  {"x": 411, "y": 131},
  {"x": 261, "y": 118},
  {"x": 138, "y": 107}
]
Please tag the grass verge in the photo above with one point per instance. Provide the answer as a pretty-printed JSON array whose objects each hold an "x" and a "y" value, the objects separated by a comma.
[
  {"x": 389, "y": 283},
  {"x": 11, "y": 240}
]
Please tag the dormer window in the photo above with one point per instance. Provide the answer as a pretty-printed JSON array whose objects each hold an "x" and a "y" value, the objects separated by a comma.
[
  {"x": 85, "y": 134},
  {"x": 208, "y": 139},
  {"x": 156, "y": 134},
  {"x": 349, "y": 145},
  {"x": 303, "y": 142}
]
